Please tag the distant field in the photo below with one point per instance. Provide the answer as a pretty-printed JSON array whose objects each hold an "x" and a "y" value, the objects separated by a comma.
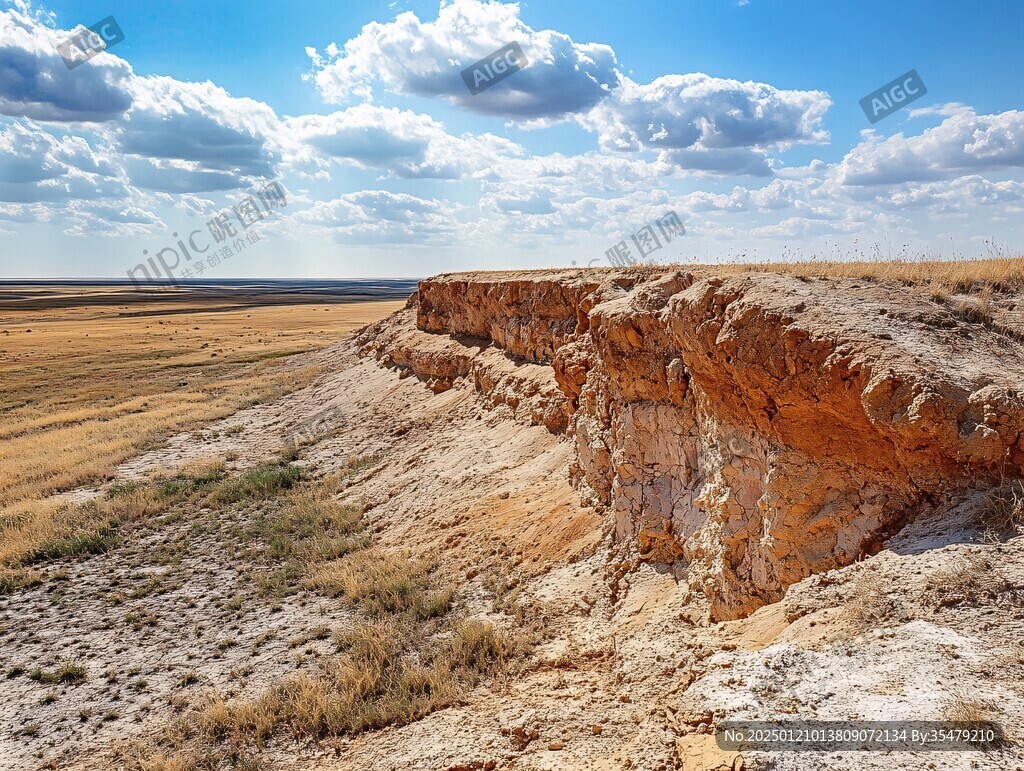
[{"x": 90, "y": 376}]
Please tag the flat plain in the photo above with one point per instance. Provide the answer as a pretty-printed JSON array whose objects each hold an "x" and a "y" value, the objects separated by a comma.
[{"x": 94, "y": 374}]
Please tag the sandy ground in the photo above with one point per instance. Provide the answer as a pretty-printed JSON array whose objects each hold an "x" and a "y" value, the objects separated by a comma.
[{"x": 625, "y": 676}]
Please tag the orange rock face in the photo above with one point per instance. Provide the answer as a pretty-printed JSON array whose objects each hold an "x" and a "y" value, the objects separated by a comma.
[{"x": 754, "y": 429}]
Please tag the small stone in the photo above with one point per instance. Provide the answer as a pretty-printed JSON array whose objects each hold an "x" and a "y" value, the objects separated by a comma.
[
  {"x": 555, "y": 746},
  {"x": 596, "y": 729}
]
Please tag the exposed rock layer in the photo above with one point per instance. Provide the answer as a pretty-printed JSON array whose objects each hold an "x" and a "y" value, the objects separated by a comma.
[{"x": 756, "y": 428}]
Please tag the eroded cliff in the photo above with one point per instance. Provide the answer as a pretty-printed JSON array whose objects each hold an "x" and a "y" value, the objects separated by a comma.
[{"x": 749, "y": 429}]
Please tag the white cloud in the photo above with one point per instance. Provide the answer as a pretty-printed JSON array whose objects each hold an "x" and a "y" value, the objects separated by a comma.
[
  {"x": 408, "y": 56},
  {"x": 708, "y": 124},
  {"x": 193, "y": 137},
  {"x": 734, "y": 161},
  {"x": 510, "y": 218},
  {"x": 20, "y": 212},
  {"x": 36, "y": 83},
  {"x": 172, "y": 136},
  {"x": 577, "y": 175},
  {"x": 802, "y": 227},
  {"x": 964, "y": 142},
  {"x": 947, "y": 196},
  {"x": 402, "y": 142},
  {"x": 99, "y": 151},
  {"x": 380, "y": 217},
  {"x": 107, "y": 220},
  {"x": 701, "y": 123},
  {"x": 36, "y": 166}
]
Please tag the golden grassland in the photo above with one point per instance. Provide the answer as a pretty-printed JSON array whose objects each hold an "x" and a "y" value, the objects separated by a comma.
[
  {"x": 961, "y": 275},
  {"x": 84, "y": 388},
  {"x": 950, "y": 275}
]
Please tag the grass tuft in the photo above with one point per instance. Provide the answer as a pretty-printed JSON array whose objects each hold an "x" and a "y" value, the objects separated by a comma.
[
  {"x": 12, "y": 580},
  {"x": 197, "y": 478},
  {"x": 1001, "y": 514},
  {"x": 968, "y": 579},
  {"x": 68, "y": 673},
  {"x": 379, "y": 583},
  {"x": 258, "y": 483}
]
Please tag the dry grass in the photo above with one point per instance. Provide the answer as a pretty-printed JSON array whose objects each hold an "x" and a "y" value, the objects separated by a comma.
[
  {"x": 998, "y": 271},
  {"x": 394, "y": 668},
  {"x": 308, "y": 528},
  {"x": 380, "y": 678},
  {"x": 406, "y": 655},
  {"x": 948, "y": 276},
  {"x": 379, "y": 583},
  {"x": 966, "y": 707},
  {"x": 968, "y": 288},
  {"x": 969, "y": 579},
  {"x": 11, "y": 580},
  {"x": 40, "y": 531},
  {"x": 869, "y": 607},
  {"x": 1002, "y": 513},
  {"x": 312, "y": 526},
  {"x": 84, "y": 388}
]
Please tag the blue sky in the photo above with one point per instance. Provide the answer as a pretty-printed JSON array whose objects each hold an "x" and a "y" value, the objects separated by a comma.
[{"x": 743, "y": 118}]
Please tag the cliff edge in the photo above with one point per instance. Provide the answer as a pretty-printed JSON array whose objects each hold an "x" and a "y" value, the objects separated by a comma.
[{"x": 749, "y": 429}]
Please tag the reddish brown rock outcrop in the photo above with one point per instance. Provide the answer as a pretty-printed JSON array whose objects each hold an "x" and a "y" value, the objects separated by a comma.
[{"x": 755, "y": 428}]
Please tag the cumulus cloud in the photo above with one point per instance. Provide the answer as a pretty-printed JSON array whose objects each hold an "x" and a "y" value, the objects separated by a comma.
[
  {"x": 20, "y": 212},
  {"x": 706, "y": 123},
  {"x": 108, "y": 220},
  {"x": 181, "y": 177},
  {"x": 194, "y": 137},
  {"x": 734, "y": 161},
  {"x": 402, "y": 142},
  {"x": 36, "y": 166},
  {"x": 520, "y": 202},
  {"x": 522, "y": 214},
  {"x": 380, "y": 217},
  {"x": 793, "y": 227},
  {"x": 146, "y": 144},
  {"x": 36, "y": 83},
  {"x": 701, "y": 123},
  {"x": 408, "y": 56},
  {"x": 947, "y": 196},
  {"x": 963, "y": 143},
  {"x": 169, "y": 135},
  {"x": 575, "y": 175}
]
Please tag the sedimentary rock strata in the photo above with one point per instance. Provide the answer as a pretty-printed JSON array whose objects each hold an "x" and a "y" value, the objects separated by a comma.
[{"x": 750, "y": 429}]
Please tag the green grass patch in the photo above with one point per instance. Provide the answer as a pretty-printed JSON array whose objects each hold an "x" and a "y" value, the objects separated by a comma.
[
  {"x": 304, "y": 529},
  {"x": 123, "y": 489},
  {"x": 260, "y": 483},
  {"x": 68, "y": 673},
  {"x": 96, "y": 542},
  {"x": 199, "y": 479}
]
